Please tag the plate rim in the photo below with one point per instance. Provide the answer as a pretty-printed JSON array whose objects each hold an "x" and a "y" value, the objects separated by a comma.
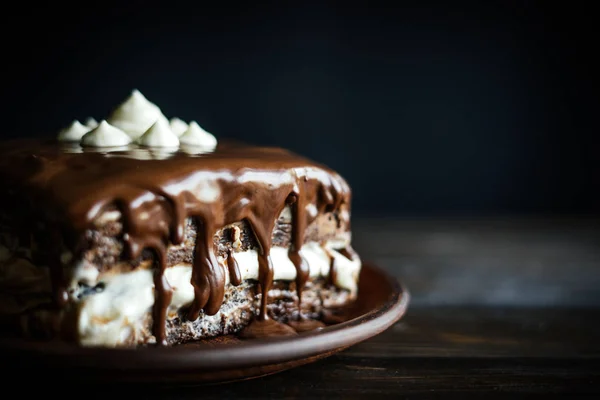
[{"x": 257, "y": 352}]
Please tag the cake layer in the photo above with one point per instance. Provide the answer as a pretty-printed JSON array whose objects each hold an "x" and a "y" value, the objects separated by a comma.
[
  {"x": 104, "y": 245},
  {"x": 112, "y": 309},
  {"x": 111, "y": 304},
  {"x": 320, "y": 301},
  {"x": 237, "y": 215}
]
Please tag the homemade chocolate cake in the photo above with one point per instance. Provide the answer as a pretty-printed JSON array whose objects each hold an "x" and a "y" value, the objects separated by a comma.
[{"x": 140, "y": 230}]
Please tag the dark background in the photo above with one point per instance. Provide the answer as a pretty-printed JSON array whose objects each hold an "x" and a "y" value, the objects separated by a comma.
[
  {"x": 427, "y": 108},
  {"x": 436, "y": 109}
]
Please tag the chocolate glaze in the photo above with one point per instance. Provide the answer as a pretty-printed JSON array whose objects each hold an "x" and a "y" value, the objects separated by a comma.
[
  {"x": 305, "y": 324},
  {"x": 235, "y": 276},
  {"x": 347, "y": 252},
  {"x": 262, "y": 328},
  {"x": 162, "y": 299},
  {"x": 298, "y": 227},
  {"x": 155, "y": 196}
]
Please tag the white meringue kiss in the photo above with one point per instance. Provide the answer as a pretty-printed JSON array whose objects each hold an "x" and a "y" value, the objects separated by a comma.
[
  {"x": 159, "y": 135},
  {"x": 105, "y": 135}
]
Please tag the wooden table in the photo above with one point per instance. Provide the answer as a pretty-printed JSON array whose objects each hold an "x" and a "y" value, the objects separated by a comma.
[
  {"x": 448, "y": 350},
  {"x": 452, "y": 350},
  {"x": 499, "y": 306}
]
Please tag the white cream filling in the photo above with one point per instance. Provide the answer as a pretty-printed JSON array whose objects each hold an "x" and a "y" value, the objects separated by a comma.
[{"x": 109, "y": 317}]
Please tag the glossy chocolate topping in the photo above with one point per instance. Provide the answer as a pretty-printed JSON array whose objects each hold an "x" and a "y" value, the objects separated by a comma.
[{"x": 67, "y": 187}]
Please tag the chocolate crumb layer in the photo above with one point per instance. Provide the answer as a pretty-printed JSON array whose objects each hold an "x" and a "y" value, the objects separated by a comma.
[{"x": 105, "y": 247}]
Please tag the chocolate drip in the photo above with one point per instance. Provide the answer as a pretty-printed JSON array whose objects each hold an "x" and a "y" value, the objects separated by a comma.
[
  {"x": 332, "y": 277},
  {"x": 208, "y": 277},
  {"x": 155, "y": 197},
  {"x": 265, "y": 277},
  {"x": 178, "y": 217},
  {"x": 235, "y": 276},
  {"x": 162, "y": 298},
  {"x": 305, "y": 324},
  {"x": 262, "y": 328},
  {"x": 298, "y": 209},
  {"x": 348, "y": 252},
  {"x": 143, "y": 232},
  {"x": 265, "y": 265}
]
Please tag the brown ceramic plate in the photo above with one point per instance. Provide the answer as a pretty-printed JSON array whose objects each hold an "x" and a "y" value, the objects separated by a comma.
[{"x": 381, "y": 302}]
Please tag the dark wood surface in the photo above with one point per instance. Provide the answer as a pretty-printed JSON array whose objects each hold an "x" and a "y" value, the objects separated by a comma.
[
  {"x": 450, "y": 350},
  {"x": 500, "y": 307},
  {"x": 496, "y": 261}
]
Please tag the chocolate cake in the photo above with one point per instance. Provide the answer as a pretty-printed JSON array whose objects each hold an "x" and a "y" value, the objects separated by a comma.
[{"x": 142, "y": 230}]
